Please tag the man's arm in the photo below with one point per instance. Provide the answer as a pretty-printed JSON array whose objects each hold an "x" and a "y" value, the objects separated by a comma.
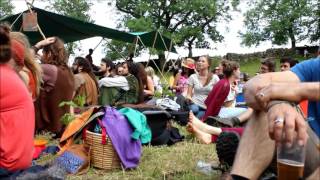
[
  {"x": 293, "y": 92},
  {"x": 253, "y": 86}
]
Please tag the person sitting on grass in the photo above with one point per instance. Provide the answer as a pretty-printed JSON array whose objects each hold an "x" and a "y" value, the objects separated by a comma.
[
  {"x": 221, "y": 100},
  {"x": 17, "y": 117},
  {"x": 272, "y": 118},
  {"x": 180, "y": 83},
  {"x": 126, "y": 89},
  {"x": 57, "y": 86},
  {"x": 85, "y": 82},
  {"x": 200, "y": 85},
  {"x": 107, "y": 68},
  {"x": 148, "y": 85},
  {"x": 205, "y": 133}
]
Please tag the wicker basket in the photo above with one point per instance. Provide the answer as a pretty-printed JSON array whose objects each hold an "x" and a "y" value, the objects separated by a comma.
[{"x": 102, "y": 155}]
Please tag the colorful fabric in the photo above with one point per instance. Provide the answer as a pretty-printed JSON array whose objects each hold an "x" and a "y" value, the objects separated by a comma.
[
  {"x": 216, "y": 98},
  {"x": 119, "y": 131},
  {"x": 182, "y": 85},
  {"x": 86, "y": 86},
  {"x": 16, "y": 121},
  {"x": 139, "y": 123},
  {"x": 70, "y": 162}
]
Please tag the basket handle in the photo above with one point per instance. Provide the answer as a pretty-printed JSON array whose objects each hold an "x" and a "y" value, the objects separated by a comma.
[{"x": 103, "y": 132}]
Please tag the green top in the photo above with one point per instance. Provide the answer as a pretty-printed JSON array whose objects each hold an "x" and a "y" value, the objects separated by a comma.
[
  {"x": 131, "y": 96},
  {"x": 139, "y": 123},
  {"x": 117, "y": 96}
]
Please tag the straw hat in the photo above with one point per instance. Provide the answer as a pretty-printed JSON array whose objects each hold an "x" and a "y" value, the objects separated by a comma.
[{"x": 188, "y": 63}]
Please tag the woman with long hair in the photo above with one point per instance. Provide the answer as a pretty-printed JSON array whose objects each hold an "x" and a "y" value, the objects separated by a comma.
[
  {"x": 220, "y": 105},
  {"x": 31, "y": 72},
  {"x": 221, "y": 100},
  {"x": 126, "y": 89},
  {"x": 199, "y": 86},
  {"x": 57, "y": 87},
  {"x": 85, "y": 82},
  {"x": 148, "y": 86},
  {"x": 156, "y": 80}
]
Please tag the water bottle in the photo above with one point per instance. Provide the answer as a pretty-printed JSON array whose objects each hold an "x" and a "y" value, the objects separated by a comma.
[{"x": 204, "y": 167}]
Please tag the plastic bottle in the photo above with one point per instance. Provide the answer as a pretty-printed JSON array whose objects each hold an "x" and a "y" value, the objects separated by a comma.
[{"x": 204, "y": 167}]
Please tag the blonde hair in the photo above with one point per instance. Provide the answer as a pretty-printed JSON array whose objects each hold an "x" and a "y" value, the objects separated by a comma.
[
  {"x": 150, "y": 71},
  {"x": 29, "y": 60}
]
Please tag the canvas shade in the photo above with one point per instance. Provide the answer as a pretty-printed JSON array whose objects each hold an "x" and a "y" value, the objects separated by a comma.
[{"x": 71, "y": 29}]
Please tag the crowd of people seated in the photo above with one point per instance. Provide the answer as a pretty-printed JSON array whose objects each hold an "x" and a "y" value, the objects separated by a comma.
[{"x": 31, "y": 93}]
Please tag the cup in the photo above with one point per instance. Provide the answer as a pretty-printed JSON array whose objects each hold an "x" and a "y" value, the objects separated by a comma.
[{"x": 290, "y": 160}]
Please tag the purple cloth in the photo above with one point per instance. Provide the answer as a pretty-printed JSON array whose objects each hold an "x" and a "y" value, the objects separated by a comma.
[{"x": 119, "y": 131}]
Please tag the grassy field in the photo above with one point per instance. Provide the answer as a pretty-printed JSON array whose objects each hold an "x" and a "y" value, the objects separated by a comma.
[{"x": 178, "y": 161}]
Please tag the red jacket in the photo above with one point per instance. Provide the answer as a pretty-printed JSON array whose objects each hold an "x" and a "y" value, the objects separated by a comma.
[{"x": 216, "y": 98}]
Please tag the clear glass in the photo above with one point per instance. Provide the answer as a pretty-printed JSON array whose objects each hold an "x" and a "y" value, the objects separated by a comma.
[{"x": 290, "y": 161}]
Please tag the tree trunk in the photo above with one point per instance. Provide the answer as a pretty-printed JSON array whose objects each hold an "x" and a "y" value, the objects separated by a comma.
[
  {"x": 190, "y": 50},
  {"x": 293, "y": 40}
]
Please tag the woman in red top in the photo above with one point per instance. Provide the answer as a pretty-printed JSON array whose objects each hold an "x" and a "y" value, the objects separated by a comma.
[{"x": 16, "y": 113}]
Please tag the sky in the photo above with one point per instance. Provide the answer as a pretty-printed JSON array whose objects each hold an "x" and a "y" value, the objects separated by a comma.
[{"x": 107, "y": 16}]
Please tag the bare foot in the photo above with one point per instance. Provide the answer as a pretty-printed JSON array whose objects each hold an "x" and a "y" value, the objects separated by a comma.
[
  {"x": 204, "y": 138},
  {"x": 196, "y": 122},
  {"x": 193, "y": 120}
]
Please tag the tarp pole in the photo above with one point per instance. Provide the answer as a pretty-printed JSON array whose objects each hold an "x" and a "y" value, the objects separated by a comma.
[
  {"x": 98, "y": 44},
  {"x": 149, "y": 52},
  {"x": 154, "y": 42},
  {"x": 155, "y": 64},
  {"x": 135, "y": 46},
  {"x": 167, "y": 56},
  {"x": 116, "y": 50}
]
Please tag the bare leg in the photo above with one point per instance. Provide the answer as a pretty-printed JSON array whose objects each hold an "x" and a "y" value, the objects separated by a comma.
[
  {"x": 246, "y": 115},
  {"x": 203, "y": 126},
  {"x": 314, "y": 175},
  {"x": 256, "y": 149},
  {"x": 204, "y": 138}
]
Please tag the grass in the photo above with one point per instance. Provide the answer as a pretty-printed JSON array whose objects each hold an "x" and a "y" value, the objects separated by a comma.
[{"x": 158, "y": 162}]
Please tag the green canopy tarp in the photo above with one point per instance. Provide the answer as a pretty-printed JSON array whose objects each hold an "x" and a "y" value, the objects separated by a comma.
[{"x": 71, "y": 29}]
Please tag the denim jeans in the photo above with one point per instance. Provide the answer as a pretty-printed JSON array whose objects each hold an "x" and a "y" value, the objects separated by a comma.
[{"x": 197, "y": 110}]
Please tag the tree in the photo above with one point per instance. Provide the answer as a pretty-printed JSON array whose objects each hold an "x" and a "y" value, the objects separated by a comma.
[
  {"x": 78, "y": 9},
  {"x": 6, "y": 8},
  {"x": 280, "y": 21},
  {"x": 186, "y": 21}
]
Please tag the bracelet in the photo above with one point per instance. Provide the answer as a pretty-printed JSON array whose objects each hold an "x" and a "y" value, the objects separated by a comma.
[
  {"x": 275, "y": 102},
  {"x": 35, "y": 49}
]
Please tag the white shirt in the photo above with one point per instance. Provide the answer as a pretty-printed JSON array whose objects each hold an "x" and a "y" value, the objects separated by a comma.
[
  {"x": 119, "y": 81},
  {"x": 200, "y": 92}
]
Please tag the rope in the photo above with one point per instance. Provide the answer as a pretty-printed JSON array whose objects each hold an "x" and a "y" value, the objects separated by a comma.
[
  {"x": 16, "y": 20},
  {"x": 98, "y": 44},
  {"x": 156, "y": 65},
  {"x": 154, "y": 42},
  {"x": 28, "y": 5},
  {"x": 116, "y": 50}
]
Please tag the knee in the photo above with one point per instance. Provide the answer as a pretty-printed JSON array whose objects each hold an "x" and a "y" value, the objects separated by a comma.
[{"x": 194, "y": 108}]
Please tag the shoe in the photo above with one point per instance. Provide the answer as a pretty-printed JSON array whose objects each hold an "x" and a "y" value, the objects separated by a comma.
[
  {"x": 226, "y": 147},
  {"x": 230, "y": 122}
]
